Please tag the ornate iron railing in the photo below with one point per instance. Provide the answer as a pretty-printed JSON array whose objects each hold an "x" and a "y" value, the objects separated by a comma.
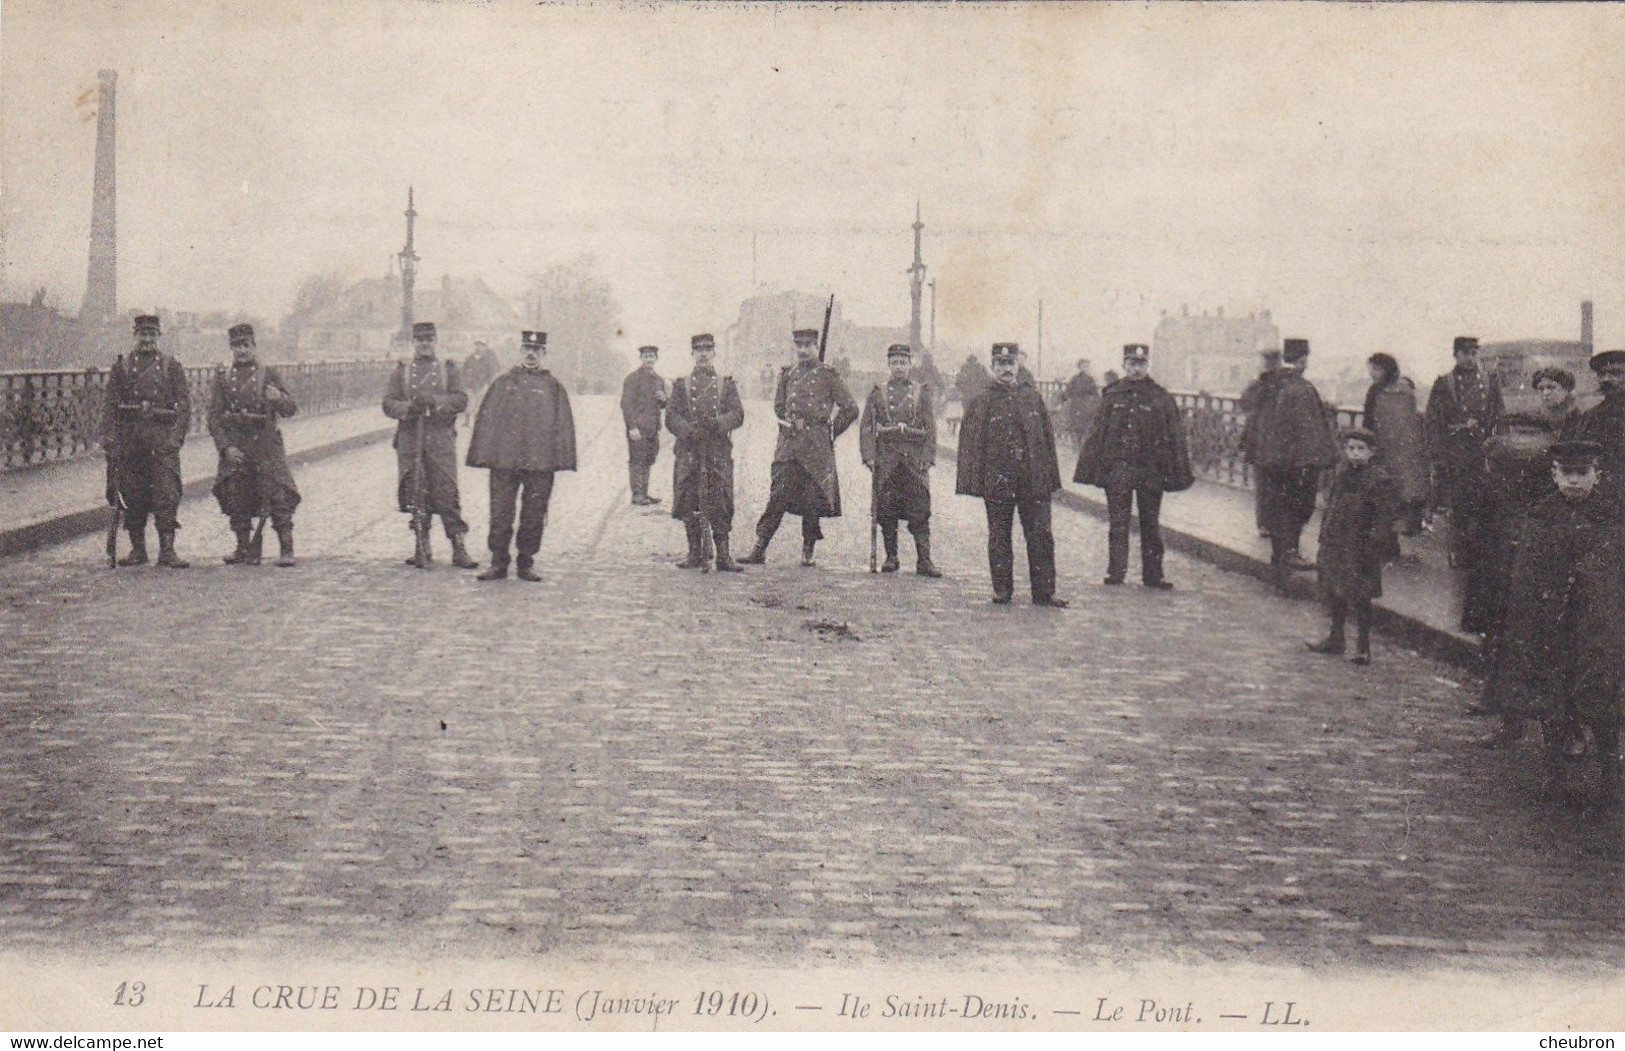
[{"x": 57, "y": 415}]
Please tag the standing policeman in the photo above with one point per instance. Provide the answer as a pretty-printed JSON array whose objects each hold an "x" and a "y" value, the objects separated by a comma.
[
  {"x": 804, "y": 480},
  {"x": 426, "y": 395},
  {"x": 148, "y": 410},
  {"x": 898, "y": 440},
  {"x": 254, "y": 478},
  {"x": 1136, "y": 452},
  {"x": 1292, "y": 444},
  {"x": 1007, "y": 457},
  {"x": 703, "y": 413},
  {"x": 643, "y": 395},
  {"x": 524, "y": 433}
]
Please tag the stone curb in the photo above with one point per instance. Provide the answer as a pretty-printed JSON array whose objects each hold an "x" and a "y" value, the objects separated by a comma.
[{"x": 70, "y": 525}]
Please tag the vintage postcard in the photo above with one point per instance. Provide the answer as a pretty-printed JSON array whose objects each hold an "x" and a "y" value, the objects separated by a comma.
[{"x": 811, "y": 516}]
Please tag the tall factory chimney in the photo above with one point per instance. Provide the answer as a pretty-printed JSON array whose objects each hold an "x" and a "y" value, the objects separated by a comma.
[
  {"x": 1585, "y": 325},
  {"x": 101, "y": 285}
]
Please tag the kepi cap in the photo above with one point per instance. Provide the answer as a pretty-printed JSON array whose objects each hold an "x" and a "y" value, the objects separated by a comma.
[
  {"x": 804, "y": 336},
  {"x": 1136, "y": 352},
  {"x": 703, "y": 341},
  {"x": 1576, "y": 455},
  {"x": 899, "y": 350},
  {"x": 527, "y": 338},
  {"x": 145, "y": 323},
  {"x": 1607, "y": 359},
  {"x": 1464, "y": 343},
  {"x": 240, "y": 333},
  {"x": 649, "y": 350},
  {"x": 1294, "y": 349},
  {"x": 423, "y": 330},
  {"x": 1006, "y": 352}
]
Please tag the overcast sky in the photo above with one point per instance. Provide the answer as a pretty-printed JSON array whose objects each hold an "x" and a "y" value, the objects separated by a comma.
[{"x": 1381, "y": 177}]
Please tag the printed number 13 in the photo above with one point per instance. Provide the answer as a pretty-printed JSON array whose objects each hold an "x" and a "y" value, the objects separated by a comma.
[{"x": 130, "y": 994}]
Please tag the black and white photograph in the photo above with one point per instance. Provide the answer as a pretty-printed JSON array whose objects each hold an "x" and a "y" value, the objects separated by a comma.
[{"x": 845, "y": 517}]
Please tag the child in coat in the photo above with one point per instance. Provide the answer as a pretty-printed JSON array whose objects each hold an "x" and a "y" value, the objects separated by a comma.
[{"x": 1354, "y": 540}]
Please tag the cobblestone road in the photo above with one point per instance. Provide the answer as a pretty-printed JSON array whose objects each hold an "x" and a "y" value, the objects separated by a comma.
[{"x": 792, "y": 764}]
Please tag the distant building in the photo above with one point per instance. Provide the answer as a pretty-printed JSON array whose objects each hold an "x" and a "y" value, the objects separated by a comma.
[
  {"x": 758, "y": 344},
  {"x": 366, "y": 320},
  {"x": 1210, "y": 352}
]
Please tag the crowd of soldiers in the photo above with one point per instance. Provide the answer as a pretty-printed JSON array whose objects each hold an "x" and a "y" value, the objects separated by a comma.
[{"x": 1537, "y": 501}]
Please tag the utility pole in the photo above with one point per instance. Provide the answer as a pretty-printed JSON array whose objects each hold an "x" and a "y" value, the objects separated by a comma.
[
  {"x": 933, "y": 317},
  {"x": 409, "y": 268},
  {"x": 916, "y": 282},
  {"x": 1038, "y": 367}
]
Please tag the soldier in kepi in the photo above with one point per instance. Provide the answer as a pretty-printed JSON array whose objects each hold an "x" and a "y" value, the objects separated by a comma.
[
  {"x": 148, "y": 411},
  {"x": 1007, "y": 457},
  {"x": 254, "y": 478},
  {"x": 524, "y": 433},
  {"x": 703, "y": 413},
  {"x": 426, "y": 395},
  {"x": 804, "y": 481},
  {"x": 643, "y": 395},
  {"x": 1136, "y": 451},
  {"x": 898, "y": 439}
]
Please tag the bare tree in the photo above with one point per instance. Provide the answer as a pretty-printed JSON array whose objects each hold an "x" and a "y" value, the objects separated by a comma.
[{"x": 574, "y": 305}]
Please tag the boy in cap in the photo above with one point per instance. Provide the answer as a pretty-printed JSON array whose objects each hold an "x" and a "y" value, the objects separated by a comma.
[
  {"x": 1354, "y": 536},
  {"x": 643, "y": 396},
  {"x": 814, "y": 408},
  {"x": 702, "y": 414},
  {"x": 898, "y": 441},
  {"x": 1136, "y": 452},
  {"x": 147, "y": 412},
  {"x": 1007, "y": 457},
  {"x": 1559, "y": 660},
  {"x": 244, "y": 404},
  {"x": 426, "y": 396},
  {"x": 523, "y": 434}
]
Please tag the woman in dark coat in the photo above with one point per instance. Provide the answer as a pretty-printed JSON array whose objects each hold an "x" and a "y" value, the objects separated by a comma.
[
  {"x": 1391, "y": 414},
  {"x": 1355, "y": 532}
]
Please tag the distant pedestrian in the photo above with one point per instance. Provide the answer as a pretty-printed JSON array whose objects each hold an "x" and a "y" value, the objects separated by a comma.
[
  {"x": 971, "y": 379},
  {"x": 1294, "y": 444},
  {"x": 244, "y": 404},
  {"x": 524, "y": 434},
  {"x": 1354, "y": 534},
  {"x": 898, "y": 440},
  {"x": 1136, "y": 451},
  {"x": 1007, "y": 458},
  {"x": 1391, "y": 414},
  {"x": 1464, "y": 409},
  {"x": 813, "y": 407},
  {"x": 643, "y": 396},
  {"x": 703, "y": 413},
  {"x": 1081, "y": 397},
  {"x": 146, "y": 414},
  {"x": 426, "y": 396},
  {"x": 1251, "y": 403}
]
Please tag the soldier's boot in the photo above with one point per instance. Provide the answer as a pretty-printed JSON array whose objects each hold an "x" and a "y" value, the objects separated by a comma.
[
  {"x": 428, "y": 547},
  {"x": 241, "y": 554},
  {"x": 459, "y": 554},
  {"x": 524, "y": 571},
  {"x": 1333, "y": 643},
  {"x": 1362, "y": 640},
  {"x": 256, "y": 551},
  {"x": 499, "y": 567},
  {"x": 758, "y": 554},
  {"x": 888, "y": 536},
  {"x": 922, "y": 550},
  {"x": 284, "y": 540},
  {"x": 696, "y": 545},
  {"x": 166, "y": 551},
  {"x": 807, "y": 547},
  {"x": 138, "y": 550},
  {"x": 725, "y": 562}
]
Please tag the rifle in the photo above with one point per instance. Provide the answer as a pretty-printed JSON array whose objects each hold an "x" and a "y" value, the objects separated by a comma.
[
  {"x": 420, "y": 502},
  {"x": 823, "y": 337},
  {"x": 874, "y": 523},
  {"x": 115, "y": 500},
  {"x": 702, "y": 508}
]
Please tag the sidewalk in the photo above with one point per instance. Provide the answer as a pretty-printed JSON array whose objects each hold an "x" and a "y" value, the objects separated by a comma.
[
  {"x": 1421, "y": 602},
  {"x": 49, "y": 503}
]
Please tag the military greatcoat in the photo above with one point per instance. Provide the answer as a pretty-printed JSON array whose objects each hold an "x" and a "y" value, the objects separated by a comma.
[
  {"x": 1137, "y": 441},
  {"x": 242, "y": 416},
  {"x": 703, "y": 412},
  {"x": 901, "y": 457},
  {"x": 813, "y": 399},
  {"x": 442, "y": 385},
  {"x": 147, "y": 413}
]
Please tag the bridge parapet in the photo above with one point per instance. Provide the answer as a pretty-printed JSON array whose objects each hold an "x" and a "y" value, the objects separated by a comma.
[{"x": 56, "y": 415}]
